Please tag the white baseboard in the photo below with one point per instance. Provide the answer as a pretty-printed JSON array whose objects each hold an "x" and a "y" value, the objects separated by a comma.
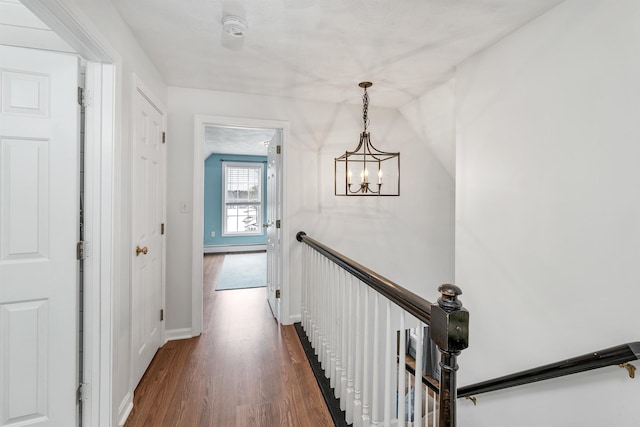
[
  {"x": 234, "y": 248},
  {"x": 125, "y": 408},
  {"x": 294, "y": 319},
  {"x": 178, "y": 334}
]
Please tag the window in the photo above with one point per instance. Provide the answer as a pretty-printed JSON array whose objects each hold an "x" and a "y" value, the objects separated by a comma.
[{"x": 242, "y": 203}]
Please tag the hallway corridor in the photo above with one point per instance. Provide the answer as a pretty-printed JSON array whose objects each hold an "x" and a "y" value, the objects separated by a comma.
[{"x": 244, "y": 370}]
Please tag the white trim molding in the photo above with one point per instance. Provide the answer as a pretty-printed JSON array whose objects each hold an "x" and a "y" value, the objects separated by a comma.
[
  {"x": 98, "y": 235},
  {"x": 295, "y": 318},
  {"x": 178, "y": 334},
  {"x": 224, "y": 249},
  {"x": 75, "y": 28},
  {"x": 125, "y": 408}
]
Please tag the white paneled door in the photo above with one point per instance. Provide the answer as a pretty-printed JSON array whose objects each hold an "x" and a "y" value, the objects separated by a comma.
[
  {"x": 39, "y": 204},
  {"x": 274, "y": 214},
  {"x": 147, "y": 253}
]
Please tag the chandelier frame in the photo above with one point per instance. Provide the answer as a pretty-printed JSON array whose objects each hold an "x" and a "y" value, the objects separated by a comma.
[{"x": 365, "y": 159}]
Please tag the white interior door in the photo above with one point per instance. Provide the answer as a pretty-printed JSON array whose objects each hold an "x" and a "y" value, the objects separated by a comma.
[
  {"x": 147, "y": 253},
  {"x": 274, "y": 214},
  {"x": 39, "y": 198}
]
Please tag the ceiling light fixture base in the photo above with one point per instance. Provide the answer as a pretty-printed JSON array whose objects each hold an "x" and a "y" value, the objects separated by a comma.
[{"x": 234, "y": 26}]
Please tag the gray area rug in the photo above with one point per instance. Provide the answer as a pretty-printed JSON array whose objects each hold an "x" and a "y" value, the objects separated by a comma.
[{"x": 241, "y": 271}]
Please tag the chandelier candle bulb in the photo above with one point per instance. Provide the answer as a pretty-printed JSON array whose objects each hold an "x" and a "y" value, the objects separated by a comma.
[
  {"x": 349, "y": 177},
  {"x": 380, "y": 177}
]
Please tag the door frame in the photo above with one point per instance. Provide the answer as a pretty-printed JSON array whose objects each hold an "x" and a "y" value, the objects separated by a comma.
[
  {"x": 197, "y": 268},
  {"x": 274, "y": 155},
  {"x": 102, "y": 132},
  {"x": 99, "y": 263}
]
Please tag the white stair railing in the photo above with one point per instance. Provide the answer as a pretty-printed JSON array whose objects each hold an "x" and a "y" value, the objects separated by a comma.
[{"x": 356, "y": 322}]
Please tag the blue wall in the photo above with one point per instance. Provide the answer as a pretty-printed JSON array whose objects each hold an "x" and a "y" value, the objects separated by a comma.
[{"x": 213, "y": 201}]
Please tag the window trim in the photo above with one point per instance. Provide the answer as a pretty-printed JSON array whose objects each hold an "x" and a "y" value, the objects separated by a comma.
[{"x": 242, "y": 164}]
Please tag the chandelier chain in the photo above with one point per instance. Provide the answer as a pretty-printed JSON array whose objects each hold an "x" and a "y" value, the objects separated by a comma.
[{"x": 365, "y": 109}]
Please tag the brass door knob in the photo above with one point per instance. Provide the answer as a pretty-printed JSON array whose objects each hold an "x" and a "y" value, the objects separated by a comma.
[{"x": 140, "y": 250}]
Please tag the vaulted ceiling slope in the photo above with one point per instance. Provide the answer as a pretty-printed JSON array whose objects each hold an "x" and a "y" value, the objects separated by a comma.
[{"x": 321, "y": 49}]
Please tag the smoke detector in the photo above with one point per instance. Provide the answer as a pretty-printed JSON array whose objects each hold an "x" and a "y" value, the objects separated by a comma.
[{"x": 234, "y": 26}]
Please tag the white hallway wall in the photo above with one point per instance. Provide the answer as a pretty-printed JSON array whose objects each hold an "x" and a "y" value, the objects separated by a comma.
[
  {"x": 106, "y": 25},
  {"x": 409, "y": 238},
  {"x": 547, "y": 208},
  {"x": 397, "y": 236},
  {"x": 431, "y": 116}
]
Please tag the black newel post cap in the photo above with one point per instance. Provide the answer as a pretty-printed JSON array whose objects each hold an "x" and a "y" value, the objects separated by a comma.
[
  {"x": 449, "y": 321},
  {"x": 300, "y": 235},
  {"x": 449, "y": 300}
]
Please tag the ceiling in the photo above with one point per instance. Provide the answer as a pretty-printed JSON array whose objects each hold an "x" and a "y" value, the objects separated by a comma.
[
  {"x": 321, "y": 49},
  {"x": 236, "y": 140}
]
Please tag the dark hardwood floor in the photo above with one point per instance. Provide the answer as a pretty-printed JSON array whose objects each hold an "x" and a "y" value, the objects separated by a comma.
[{"x": 244, "y": 370}]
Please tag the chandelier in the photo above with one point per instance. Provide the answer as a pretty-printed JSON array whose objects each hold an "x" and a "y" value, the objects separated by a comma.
[{"x": 367, "y": 171}]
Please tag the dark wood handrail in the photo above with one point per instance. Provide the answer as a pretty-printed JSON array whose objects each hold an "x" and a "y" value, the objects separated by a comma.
[
  {"x": 599, "y": 359},
  {"x": 407, "y": 300}
]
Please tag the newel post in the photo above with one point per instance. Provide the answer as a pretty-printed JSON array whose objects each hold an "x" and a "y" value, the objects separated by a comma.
[{"x": 450, "y": 332}]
